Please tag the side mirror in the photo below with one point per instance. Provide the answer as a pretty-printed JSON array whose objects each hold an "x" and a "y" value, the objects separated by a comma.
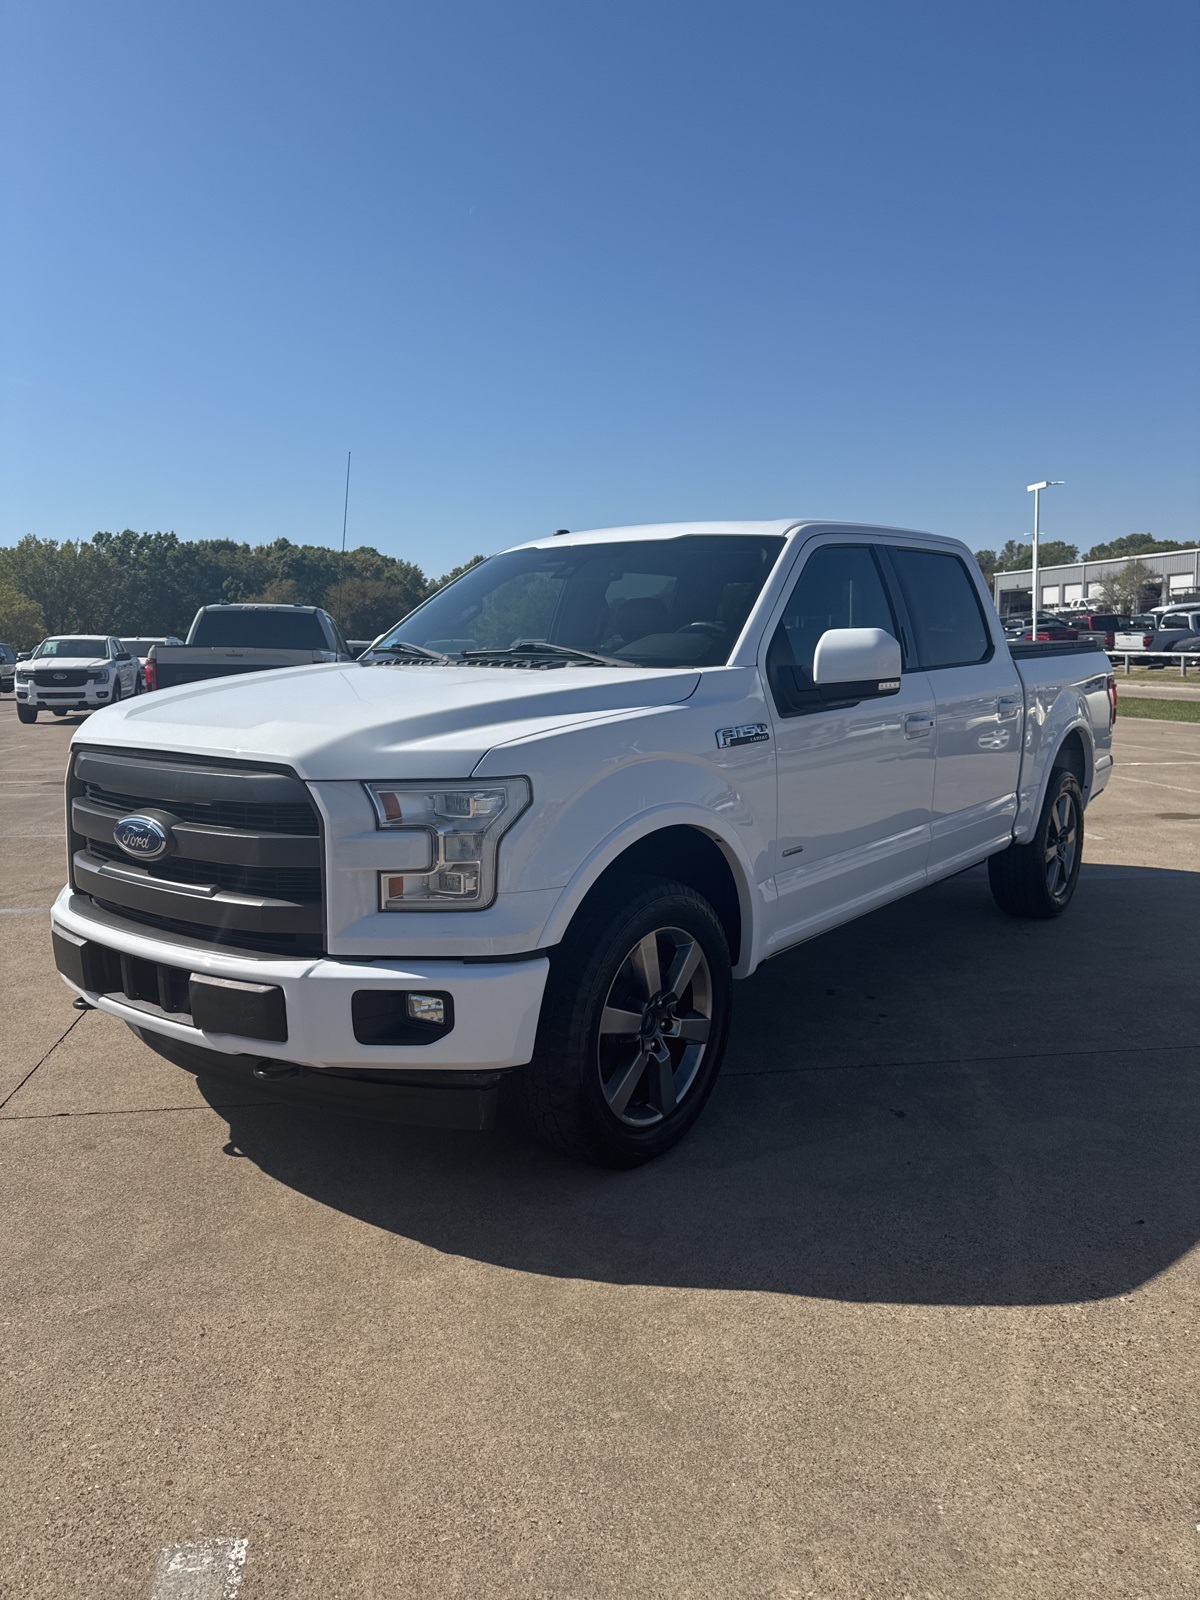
[
  {"x": 850, "y": 664},
  {"x": 860, "y": 662},
  {"x": 23, "y": 655}
]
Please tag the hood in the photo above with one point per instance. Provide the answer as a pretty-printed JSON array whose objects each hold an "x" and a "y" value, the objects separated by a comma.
[
  {"x": 67, "y": 663},
  {"x": 350, "y": 720}
]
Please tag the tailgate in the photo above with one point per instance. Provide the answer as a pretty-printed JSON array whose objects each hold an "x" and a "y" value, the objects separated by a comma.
[{"x": 177, "y": 664}]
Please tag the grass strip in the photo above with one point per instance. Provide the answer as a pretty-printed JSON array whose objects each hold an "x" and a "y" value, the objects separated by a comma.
[{"x": 1161, "y": 710}]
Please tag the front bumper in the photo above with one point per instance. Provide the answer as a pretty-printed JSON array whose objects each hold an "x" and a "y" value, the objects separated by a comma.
[
  {"x": 494, "y": 1005},
  {"x": 88, "y": 697}
]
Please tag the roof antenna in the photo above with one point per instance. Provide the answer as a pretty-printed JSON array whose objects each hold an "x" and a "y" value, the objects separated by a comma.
[{"x": 558, "y": 532}]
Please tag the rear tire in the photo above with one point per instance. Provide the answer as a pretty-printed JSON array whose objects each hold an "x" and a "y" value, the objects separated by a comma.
[
  {"x": 27, "y": 713},
  {"x": 633, "y": 1026},
  {"x": 1038, "y": 879}
]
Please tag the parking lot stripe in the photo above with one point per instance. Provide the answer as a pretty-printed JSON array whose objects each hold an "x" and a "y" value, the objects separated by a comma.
[
  {"x": 24, "y": 911},
  {"x": 1152, "y": 783},
  {"x": 205, "y": 1569}
]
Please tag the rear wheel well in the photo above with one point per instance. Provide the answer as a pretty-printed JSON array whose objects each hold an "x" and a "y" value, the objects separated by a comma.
[
  {"x": 689, "y": 856},
  {"x": 1072, "y": 758}
]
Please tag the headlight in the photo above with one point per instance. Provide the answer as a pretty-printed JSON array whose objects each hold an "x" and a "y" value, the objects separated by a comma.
[
  {"x": 23, "y": 672},
  {"x": 446, "y": 837},
  {"x": 97, "y": 674}
]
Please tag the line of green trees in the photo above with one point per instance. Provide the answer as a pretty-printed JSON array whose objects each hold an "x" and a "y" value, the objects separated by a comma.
[
  {"x": 154, "y": 583},
  {"x": 1016, "y": 557}
]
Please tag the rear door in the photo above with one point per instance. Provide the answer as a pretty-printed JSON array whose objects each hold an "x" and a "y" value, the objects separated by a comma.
[
  {"x": 855, "y": 782},
  {"x": 978, "y": 702}
]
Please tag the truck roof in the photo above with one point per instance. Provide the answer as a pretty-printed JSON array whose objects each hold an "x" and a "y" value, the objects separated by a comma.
[
  {"x": 257, "y": 605},
  {"x": 675, "y": 530}
]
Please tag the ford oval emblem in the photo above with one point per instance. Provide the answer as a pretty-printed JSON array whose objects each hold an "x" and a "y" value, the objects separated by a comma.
[{"x": 142, "y": 837}]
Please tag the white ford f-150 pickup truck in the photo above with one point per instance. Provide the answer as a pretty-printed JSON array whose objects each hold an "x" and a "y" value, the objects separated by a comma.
[{"x": 527, "y": 841}]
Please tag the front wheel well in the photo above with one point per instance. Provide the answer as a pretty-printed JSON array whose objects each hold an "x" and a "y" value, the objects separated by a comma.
[{"x": 689, "y": 856}]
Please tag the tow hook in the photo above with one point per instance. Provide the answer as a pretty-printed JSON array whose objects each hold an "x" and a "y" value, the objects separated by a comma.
[{"x": 268, "y": 1071}]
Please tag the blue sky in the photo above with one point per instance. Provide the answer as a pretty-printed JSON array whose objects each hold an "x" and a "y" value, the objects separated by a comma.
[{"x": 564, "y": 265}]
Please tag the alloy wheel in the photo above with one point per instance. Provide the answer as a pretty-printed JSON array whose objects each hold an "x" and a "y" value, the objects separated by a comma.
[
  {"x": 1062, "y": 845},
  {"x": 655, "y": 1027}
]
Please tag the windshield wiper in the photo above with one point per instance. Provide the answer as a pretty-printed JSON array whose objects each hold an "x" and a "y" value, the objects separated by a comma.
[
  {"x": 532, "y": 647},
  {"x": 403, "y": 647}
]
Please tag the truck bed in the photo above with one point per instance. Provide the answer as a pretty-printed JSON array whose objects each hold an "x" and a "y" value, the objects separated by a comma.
[{"x": 1030, "y": 651}]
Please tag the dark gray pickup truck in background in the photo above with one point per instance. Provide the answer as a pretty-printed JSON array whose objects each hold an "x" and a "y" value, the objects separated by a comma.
[{"x": 224, "y": 640}]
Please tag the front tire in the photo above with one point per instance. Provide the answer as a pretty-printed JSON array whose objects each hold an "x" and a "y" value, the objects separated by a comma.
[
  {"x": 27, "y": 713},
  {"x": 1038, "y": 879},
  {"x": 633, "y": 1027}
]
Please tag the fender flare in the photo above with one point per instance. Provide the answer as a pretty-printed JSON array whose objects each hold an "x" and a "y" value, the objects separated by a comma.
[
  {"x": 631, "y": 832},
  {"x": 1028, "y": 814}
]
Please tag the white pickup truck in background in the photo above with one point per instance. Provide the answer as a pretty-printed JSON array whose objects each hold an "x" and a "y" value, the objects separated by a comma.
[
  {"x": 526, "y": 842},
  {"x": 1175, "y": 631}
]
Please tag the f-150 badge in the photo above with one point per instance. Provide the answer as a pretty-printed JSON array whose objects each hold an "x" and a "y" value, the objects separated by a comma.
[{"x": 747, "y": 733}]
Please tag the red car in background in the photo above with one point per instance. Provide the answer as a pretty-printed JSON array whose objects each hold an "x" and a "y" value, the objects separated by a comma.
[{"x": 1105, "y": 622}]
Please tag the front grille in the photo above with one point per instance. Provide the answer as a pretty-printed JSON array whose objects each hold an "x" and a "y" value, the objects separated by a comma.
[
  {"x": 299, "y": 818},
  {"x": 60, "y": 680},
  {"x": 244, "y": 865},
  {"x": 263, "y": 944},
  {"x": 275, "y": 883}
]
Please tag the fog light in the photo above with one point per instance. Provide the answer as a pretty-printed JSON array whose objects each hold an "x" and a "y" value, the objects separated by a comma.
[{"x": 426, "y": 1008}]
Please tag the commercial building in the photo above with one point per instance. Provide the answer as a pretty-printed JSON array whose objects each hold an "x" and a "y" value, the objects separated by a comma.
[{"x": 1079, "y": 585}]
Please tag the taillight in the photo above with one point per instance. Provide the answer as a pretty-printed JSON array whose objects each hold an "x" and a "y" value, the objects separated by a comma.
[
  {"x": 1147, "y": 640},
  {"x": 1112, "y": 699},
  {"x": 151, "y": 674}
]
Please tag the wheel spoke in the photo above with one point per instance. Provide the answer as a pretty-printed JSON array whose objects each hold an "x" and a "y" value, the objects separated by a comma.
[
  {"x": 695, "y": 1028},
  {"x": 645, "y": 964},
  {"x": 621, "y": 1023},
  {"x": 620, "y": 1092},
  {"x": 679, "y": 975},
  {"x": 663, "y": 1075},
  {"x": 1051, "y": 853}
]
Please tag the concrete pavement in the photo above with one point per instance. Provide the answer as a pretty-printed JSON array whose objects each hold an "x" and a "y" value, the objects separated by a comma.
[{"x": 911, "y": 1312}]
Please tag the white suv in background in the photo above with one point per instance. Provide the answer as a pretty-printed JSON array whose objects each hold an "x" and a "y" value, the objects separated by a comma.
[{"x": 75, "y": 672}]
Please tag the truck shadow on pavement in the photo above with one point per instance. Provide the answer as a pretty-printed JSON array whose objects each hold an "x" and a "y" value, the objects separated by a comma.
[{"x": 937, "y": 1105}]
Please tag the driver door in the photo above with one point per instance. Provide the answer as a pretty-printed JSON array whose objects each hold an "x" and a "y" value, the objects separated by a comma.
[{"x": 855, "y": 782}]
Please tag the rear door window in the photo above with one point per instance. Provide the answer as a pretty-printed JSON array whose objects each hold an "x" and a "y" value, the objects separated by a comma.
[{"x": 944, "y": 608}]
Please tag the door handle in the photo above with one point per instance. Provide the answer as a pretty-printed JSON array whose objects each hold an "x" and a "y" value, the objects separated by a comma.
[
  {"x": 1008, "y": 705},
  {"x": 917, "y": 724}
]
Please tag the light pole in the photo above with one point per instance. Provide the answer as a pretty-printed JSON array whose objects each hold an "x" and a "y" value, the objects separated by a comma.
[{"x": 1035, "y": 489}]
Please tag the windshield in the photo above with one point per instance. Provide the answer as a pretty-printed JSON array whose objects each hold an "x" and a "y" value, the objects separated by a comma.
[
  {"x": 260, "y": 630},
  {"x": 141, "y": 647},
  {"x": 72, "y": 647},
  {"x": 650, "y": 602}
]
